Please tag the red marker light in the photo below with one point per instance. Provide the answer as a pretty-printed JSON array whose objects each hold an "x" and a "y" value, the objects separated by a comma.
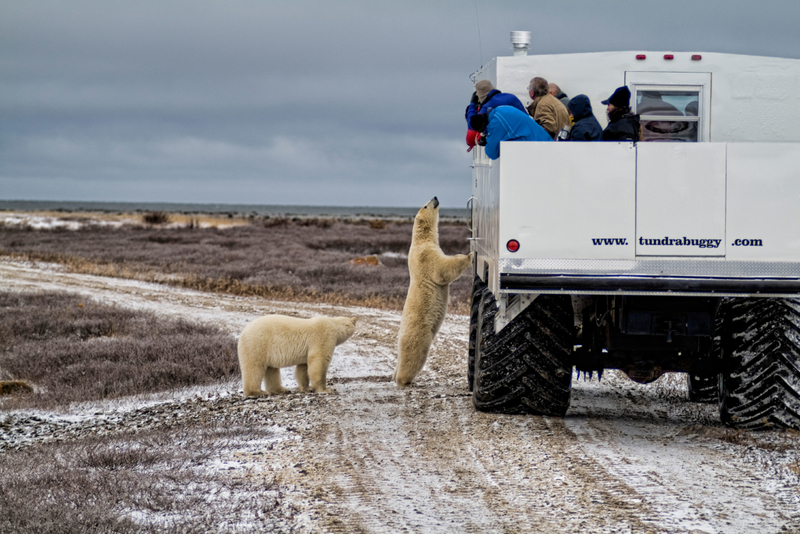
[
  {"x": 696, "y": 57},
  {"x": 512, "y": 245},
  {"x": 669, "y": 56},
  {"x": 641, "y": 56}
]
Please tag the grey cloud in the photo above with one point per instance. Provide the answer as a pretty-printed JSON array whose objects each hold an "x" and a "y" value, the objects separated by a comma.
[{"x": 354, "y": 102}]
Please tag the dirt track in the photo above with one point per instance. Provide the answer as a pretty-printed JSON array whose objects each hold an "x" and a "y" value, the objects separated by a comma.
[{"x": 375, "y": 458}]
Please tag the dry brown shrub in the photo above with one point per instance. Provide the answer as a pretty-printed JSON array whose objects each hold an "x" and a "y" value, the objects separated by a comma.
[
  {"x": 14, "y": 387},
  {"x": 313, "y": 221},
  {"x": 271, "y": 222},
  {"x": 377, "y": 224},
  {"x": 371, "y": 261},
  {"x": 155, "y": 217}
]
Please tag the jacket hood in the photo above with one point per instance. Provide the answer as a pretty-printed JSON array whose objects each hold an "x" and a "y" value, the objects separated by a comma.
[
  {"x": 580, "y": 107},
  {"x": 511, "y": 123},
  {"x": 507, "y": 123}
]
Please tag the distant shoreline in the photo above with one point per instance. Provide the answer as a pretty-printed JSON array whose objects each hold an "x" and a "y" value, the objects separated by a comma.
[{"x": 237, "y": 210}]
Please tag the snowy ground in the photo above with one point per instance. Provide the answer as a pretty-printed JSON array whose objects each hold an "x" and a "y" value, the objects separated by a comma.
[{"x": 375, "y": 458}]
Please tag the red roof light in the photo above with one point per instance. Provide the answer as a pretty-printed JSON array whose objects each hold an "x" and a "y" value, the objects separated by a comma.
[
  {"x": 696, "y": 57},
  {"x": 669, "y": 56},
  {"x": 641, "y": 56}
]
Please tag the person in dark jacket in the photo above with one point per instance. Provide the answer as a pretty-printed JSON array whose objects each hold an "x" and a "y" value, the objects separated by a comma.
[
  {"x": 586, "y": 127},
  {"x": 487, "y": 97},
  {"x": 622, "y": 124}
]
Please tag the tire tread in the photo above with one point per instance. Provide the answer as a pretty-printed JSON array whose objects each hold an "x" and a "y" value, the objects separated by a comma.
[
  {"x": 524, "y": 368},
  {"x": 760, "y": 386}
]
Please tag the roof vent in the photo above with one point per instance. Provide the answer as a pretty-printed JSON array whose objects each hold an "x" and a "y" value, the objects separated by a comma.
[{"x": 520, "y": 42}]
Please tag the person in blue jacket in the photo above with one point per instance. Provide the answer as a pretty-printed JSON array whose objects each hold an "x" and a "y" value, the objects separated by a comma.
[
  {"x": 486, "y": 97},
  {"x": 506, "y": 123},
  {"x": 586, "y": 127}
]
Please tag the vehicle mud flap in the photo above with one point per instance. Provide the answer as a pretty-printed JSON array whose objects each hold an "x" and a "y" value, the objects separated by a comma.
[
  {"x": 705, "y": 388},
  {"x": 525, "y": 368},
  {"x": 760, "y": 383}
]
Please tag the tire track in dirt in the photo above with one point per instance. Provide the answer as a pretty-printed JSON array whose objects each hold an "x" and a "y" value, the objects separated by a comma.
[
  {"x": 422, "y": 460},
  {"x": 691, "y": 478}
]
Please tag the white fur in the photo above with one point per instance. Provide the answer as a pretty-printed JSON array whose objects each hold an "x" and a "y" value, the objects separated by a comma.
[
  {"x": 431, "y": 273},
  {"x": 274, "y": 341}
]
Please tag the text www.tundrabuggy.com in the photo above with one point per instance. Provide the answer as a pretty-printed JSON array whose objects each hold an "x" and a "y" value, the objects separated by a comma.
[{"x": 677, "y": 242}]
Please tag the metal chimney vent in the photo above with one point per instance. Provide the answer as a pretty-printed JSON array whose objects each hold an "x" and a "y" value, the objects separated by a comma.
[{"x": 520, "y": 42}]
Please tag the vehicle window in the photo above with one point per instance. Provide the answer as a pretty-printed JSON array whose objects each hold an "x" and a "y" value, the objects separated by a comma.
[{"x": 660, "y": 109}]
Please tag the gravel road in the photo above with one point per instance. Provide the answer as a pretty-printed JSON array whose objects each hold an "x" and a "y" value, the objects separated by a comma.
[{"x": 375, "y": 458}]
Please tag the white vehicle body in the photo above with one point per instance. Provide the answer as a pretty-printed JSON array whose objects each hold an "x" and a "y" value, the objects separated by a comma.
[
  {"x": 714, "y": 217},
  {"x": 617, "y": 255}
]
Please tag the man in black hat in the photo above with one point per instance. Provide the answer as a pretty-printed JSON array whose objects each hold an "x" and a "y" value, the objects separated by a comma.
[{"x": 622, "y": 124}]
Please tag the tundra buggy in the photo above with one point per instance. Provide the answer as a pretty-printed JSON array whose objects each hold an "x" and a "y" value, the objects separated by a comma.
[{"x": 676, "y": 253}]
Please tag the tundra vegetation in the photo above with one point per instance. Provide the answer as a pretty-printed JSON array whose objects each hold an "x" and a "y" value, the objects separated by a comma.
[
  {"x": 136, "y": 482},
  {"x": 299, "y": 259},
  {"x": 72, "y": 349},
  {"x": 149, "y": 479}
]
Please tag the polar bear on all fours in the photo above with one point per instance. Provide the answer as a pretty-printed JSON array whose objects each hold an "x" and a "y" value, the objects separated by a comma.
[
  {"x": 274, "y": 341},
  {"x": 431, "y": 273}
]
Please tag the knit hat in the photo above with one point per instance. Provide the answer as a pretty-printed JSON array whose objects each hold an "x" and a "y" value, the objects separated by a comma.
[
  {"x": 620, "y": 99},
  {"x": 472, "y": 139},
  {"x": 478, "y": 122},
  {"x": 483, "y": 87}
]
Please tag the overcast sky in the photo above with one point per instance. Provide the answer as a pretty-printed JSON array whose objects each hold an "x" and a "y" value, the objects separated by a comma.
[{"x": 349, "y": 103}]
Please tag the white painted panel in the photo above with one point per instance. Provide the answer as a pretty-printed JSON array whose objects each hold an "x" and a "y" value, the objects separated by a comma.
[
  {"x": 763, "y": 218},
  {"x": 559, "y": 199},
  {"x": 680, "y": 199}
]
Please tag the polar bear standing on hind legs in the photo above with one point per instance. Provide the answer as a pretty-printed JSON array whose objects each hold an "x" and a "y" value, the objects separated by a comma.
[
  {"x": 274, "y": 341},
  {"x": 431, "y": 273}
]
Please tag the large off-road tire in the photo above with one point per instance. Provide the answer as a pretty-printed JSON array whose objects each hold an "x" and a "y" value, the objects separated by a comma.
[
  {"x": 760, "y": 383},
  {"x": 525, "y": 368},
  {"x": 478, "y": 290}
]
